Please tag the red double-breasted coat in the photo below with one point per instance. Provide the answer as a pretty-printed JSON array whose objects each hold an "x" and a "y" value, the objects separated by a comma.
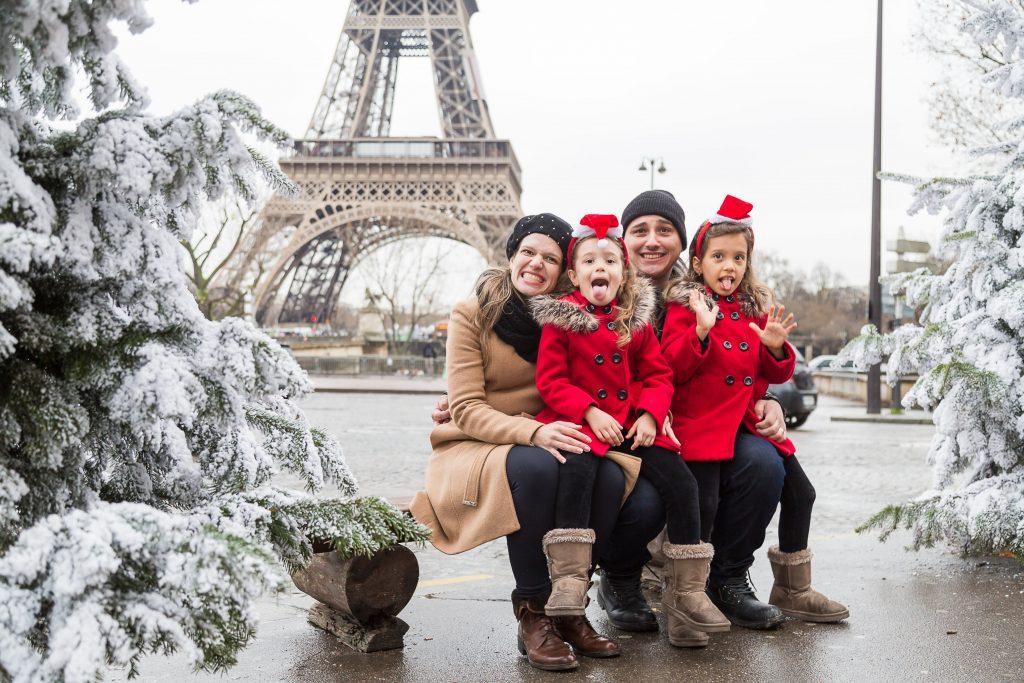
[
  {"x": 717, "y": 383},
  {"x": 579, "y": 364}
]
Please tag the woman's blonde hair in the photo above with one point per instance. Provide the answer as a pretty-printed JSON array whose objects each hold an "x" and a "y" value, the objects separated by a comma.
[
  {"x": 627, "y": 294},
  {"x": 493, "y": 291},
  {"x": 757, "y": 293}
]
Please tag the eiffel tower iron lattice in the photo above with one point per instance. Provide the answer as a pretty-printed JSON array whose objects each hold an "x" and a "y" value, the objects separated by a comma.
[{"x": 360, "y": 189}]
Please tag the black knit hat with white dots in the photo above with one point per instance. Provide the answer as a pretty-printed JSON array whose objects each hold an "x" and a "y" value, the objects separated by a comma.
[{"x": 547, "y": 224}]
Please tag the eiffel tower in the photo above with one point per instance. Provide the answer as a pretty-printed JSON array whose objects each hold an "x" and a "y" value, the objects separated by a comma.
[{"x": 359, "y": 188}]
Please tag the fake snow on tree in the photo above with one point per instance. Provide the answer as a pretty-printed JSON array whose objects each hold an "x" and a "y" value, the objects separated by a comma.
[
  {"x": 968, "y": 349},
  {"x": 137, "y": 438}
]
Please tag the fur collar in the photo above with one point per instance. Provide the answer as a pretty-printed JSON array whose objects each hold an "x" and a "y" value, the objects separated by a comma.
[
  {"x": 567, "y": 314},
  {"x": 679, "y": 292}
]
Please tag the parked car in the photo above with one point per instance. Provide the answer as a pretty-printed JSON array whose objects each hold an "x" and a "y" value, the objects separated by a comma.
[
  {"x": 828, "y": 362},
  {"x": 798, "y": 396}
]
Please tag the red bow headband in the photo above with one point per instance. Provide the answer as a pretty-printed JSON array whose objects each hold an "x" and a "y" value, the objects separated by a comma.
[
  {"x": 599, "y": 225},
  {"x": 733, "y": 210}
]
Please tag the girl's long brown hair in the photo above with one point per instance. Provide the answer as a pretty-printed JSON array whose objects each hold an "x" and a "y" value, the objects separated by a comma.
[{"x": 757, "y": 293}]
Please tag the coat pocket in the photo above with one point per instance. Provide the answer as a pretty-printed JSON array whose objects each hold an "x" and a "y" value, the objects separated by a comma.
[{"x": 471, "y": 496}]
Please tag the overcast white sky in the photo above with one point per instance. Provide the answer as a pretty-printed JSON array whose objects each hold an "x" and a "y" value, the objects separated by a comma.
[{"x": 770, "y": 101}]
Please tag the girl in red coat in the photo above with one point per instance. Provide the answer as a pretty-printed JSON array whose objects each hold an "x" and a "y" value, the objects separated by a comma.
[
  {"x": 599, "y": 365},
  {"x": 726, "y": 342}
]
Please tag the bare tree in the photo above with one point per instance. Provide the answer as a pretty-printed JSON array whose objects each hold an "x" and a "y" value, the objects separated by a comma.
[
  {"x": 230, "y": 221},
  {"x": 405, "y": 282}
]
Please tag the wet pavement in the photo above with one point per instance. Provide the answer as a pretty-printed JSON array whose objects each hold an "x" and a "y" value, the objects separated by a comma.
[{"x": 925, "y": 616}]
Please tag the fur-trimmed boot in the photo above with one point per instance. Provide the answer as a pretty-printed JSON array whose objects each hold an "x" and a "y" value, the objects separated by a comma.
[
  {"x": 687, "y": 607},
  {"x": 792, "y": 592},
  {"x": 568, "y": 552}
]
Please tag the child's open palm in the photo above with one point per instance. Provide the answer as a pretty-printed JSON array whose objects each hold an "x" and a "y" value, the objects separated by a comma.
[
  {"x": 706, "y": 315},
  {"x": 776, "y": 330}
]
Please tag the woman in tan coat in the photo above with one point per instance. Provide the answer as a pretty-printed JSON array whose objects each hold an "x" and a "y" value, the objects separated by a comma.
[{"x": 494, "y": 469}]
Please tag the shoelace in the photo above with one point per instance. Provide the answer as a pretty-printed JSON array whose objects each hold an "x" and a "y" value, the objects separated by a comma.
[{"x": 741, "y": 584}]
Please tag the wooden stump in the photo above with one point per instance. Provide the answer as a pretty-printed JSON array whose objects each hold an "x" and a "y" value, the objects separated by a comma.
[{"x": 361, "y": 597}]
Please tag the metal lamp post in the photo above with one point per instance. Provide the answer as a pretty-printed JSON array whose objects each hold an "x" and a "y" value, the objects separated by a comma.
[
  {"x": 874, "y": 386},
  {"x": 652, "y": 161}
]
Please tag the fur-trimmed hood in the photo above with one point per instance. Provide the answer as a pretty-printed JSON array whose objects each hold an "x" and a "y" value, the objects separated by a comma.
[
  {"x": 679, "y": 292},
  {"x": 566, "y": 313}
]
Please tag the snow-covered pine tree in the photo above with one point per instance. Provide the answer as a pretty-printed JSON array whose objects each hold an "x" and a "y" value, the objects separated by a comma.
[
  {"x": 137, "y": 439},
  {"x": 969, "y": 347}
]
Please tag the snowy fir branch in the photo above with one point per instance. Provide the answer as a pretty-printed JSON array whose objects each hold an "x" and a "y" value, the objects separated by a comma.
[
  {"x": 138, "y": 440},
  {"x": 968, "y": 349}
]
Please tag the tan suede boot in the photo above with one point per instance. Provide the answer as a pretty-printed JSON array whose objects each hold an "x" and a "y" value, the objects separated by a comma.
[
  {"x": 568, "y": 552},
  {"x": 687, "y": 607},
  {"x": 792, "y": 592}
]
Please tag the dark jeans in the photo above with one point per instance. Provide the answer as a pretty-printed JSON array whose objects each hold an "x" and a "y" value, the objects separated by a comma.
[
  {"x": 738, "y": 498},
  {"x": 533, "y": 478},
  {"x": 640, "y": 520},
  {"x": 796, "y": 504},
  {"x": 664, "y": 469}
]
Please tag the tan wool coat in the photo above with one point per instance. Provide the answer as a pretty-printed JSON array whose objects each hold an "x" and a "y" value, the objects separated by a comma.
[{"x": 467, "y": 500}]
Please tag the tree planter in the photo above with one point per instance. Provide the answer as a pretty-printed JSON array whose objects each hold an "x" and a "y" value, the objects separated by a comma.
[{"x": 360, "y": 597}]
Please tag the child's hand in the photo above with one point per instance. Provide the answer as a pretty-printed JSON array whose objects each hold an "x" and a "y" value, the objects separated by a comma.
[
  {"x": 644, "y": 430},
  {"x": 667, "y": 430},
  {"x": 776, "y": 331},
  {"x": 604, "y": 426},
  {"x": 707, "y": 315}
]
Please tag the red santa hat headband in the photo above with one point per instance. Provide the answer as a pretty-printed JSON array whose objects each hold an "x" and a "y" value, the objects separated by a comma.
[
  {"x": 602, "y": 226},
  {"x": 733, "y": 210}
]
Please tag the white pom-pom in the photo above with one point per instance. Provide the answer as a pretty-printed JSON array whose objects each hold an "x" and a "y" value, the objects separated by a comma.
[{"x": 602, "y": 243}]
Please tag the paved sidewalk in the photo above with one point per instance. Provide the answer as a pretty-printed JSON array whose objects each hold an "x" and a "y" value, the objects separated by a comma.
[
  {"x": 378, "y": 384},
  {"x": 925, "y": 616}
]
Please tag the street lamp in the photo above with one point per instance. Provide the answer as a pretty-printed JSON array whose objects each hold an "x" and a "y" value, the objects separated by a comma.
[
  {"x": 874, "y": 384},
  {"x": 652, "y": 161}
]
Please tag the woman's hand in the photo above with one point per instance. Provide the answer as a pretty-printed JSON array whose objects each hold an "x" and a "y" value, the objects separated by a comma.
[
  {"x": 776, "y": 331},
  {"x": 643, "y": 431},
  {"x": 561, "y": 436},
  {"x": 706, "y": 317},
  {"x": 773, "y": 420},
  {"x": 441, "y": 413},
  {"x": 604, "y": 426}
]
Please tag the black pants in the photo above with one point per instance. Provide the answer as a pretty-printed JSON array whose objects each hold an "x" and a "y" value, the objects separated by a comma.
[
  {"x": 735, "y": 508},
  {"x": 663, "y": 468},
  {"x": 533, "y": 477}
]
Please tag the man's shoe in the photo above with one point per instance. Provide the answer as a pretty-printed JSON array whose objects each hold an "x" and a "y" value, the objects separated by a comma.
[
  {"x": 624, "y": 602},
  {"x": 735, "y": 598}
]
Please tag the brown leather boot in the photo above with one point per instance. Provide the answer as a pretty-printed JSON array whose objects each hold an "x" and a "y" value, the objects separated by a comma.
[
  {"x": 792, "y": 592},
  {"x": 585, "y": 641},
  {"x": 568, "y": 552},
  {"x": 537, "y": 638},
  {"x": 687, "y": 607}
]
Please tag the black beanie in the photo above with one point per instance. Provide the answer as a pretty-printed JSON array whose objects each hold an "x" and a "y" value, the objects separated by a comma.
[
  {"x": 547, "y": 224},
  {"x": 658, "y": 203}
]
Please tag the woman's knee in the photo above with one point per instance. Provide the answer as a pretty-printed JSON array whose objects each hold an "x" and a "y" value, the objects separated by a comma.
[{"x": 531, "y": 469}]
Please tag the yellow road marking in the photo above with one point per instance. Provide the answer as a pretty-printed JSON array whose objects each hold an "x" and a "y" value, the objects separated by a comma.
[{"x": 430, "y": 583}]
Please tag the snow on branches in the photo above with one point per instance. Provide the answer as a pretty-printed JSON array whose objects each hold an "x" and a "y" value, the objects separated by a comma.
[
  {"x": 969, "y": 347},
  {"x": 138, "y": 440}
]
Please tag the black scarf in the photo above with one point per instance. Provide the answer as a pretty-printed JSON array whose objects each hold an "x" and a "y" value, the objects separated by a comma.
[{"x": 517, "y": 328}]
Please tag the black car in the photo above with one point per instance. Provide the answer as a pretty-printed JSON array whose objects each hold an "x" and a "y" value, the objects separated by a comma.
[{"x": 798, "y": 396}]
